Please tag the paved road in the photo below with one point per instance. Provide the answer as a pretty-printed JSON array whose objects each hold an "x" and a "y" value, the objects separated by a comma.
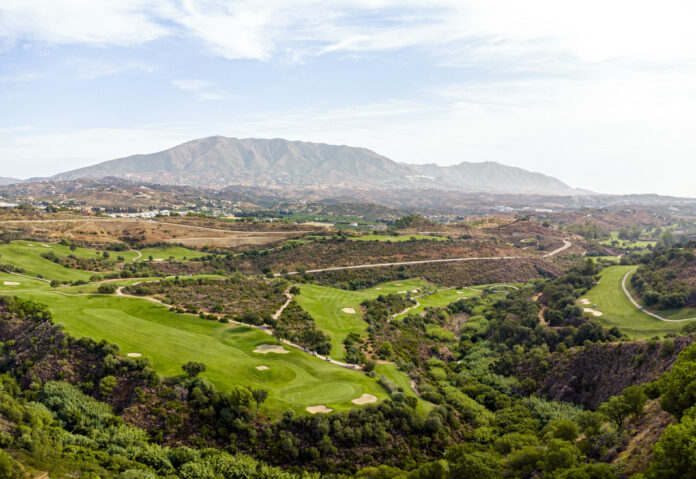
[
  {"x": 566, "y": 244},
  {"x": 635, "y": 303},
  {"x": 402, "y": 263}
]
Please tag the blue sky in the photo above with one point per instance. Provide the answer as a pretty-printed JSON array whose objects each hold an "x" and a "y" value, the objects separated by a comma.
[{"x": 599, "y": 94}]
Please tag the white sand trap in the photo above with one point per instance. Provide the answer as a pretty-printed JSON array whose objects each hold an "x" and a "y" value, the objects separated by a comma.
[
  {"x": 377, "y": 289},
  {"x": 398, "y": 284},
  {"x": 45, "y": 246},
  {"x": 365, "y": 399},
  {"x": 320, "y": 408},
  {"x": 10, "y": 283},
  {"x": 158, "y": 260},
  {"x": 415, "y": 290},
  {"x": 403, "y": 292},
  {"x": 348, "y": 310},
  {"x": 133, "y": 355},
  {"x": 270, "y": 348},
  {"x": 30, "y": 245},
  {"x": 262, "y": 368},
  {"x": 590, "y": 310},
  {"x": 584, "y": 301}
]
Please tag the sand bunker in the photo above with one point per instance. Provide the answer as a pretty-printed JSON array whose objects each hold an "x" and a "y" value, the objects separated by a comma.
[
  {"x": 10, "y": 283},
  {"x": 590, "y": 310},
  {"x": 365, "y": 399},
  {"x": 270, "y": 348},
  {"x": 402, "y": 292},
  {"x": 133, "y": 355},
  {"x": 398, "y": 284},
  {"x": 262, "y": 368},
  {"x": 45, "y": 246},
  {"x": 584, "y": 301},
  {"x": 320, "y": 408},
  {"x": 376, "y": 289},
  {"x": 415, "y": 290},
  {"x": 158, "y": 260},
  {"x": 348, "y": 310},
  {"x": 30, "y": 245}
]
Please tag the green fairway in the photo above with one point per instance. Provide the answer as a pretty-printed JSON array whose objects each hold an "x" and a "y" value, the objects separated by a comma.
[
  {"x": 628, "y": 244},
  {"x": 445, "y": 296},
  {"x": 618, "y": 311},
  {"x": 326, "y": 305},
  {"x": 396, "y": 238},
  {"x": 27, "y": 255},
  {"x": 176, "y": 253},
  {"x": 294, "y": 380},
  {"x": 7, "y": 283}
]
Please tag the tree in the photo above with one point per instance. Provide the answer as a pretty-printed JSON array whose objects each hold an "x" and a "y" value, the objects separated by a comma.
[
  {"x": 193, "y": 368},
  {"x": 617, "y": 409},
  {"x": 385, "y": 350},
  {"x": 106, "y": 385},
  {"x": 106, "y": 288},
  {"x": 635, "y": 399},
  {"x": 260, "y": 396}
]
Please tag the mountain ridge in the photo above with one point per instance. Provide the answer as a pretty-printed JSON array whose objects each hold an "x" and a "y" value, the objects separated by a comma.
[{"x": 219, "y": 161}]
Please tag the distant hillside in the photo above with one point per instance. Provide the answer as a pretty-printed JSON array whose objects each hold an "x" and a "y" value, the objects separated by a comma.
[
  {"x": 219, "y": 162},
  {"x": 491, "y": 176},
  {"x": 4, "y": 180}
]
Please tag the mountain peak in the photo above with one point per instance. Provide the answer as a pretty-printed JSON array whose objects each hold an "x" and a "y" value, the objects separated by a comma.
[{"x": 219, "y": 161}]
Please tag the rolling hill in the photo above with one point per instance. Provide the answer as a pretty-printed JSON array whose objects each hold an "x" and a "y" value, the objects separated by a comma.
[{"x": 220, "y": 161}]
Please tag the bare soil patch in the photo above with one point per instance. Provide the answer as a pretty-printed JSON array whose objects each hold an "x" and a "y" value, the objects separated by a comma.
[
  {"x": 270, "y": 348},
  {"x": 365, "y": 399},
  {"x": 321, "y": 408}
]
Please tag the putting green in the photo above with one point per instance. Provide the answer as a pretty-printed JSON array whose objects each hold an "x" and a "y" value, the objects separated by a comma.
[
  {"x": 618, "y": 311},
  {"x": 294, "y": 380},
  {"x": 326, "y": 305}
]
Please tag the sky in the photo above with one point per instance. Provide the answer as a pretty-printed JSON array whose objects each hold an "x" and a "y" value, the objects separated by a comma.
[{"x": 601, "y": 95}]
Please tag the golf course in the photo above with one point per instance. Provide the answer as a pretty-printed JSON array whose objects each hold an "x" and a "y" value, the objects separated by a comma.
[{"x": 617, "y": 310}]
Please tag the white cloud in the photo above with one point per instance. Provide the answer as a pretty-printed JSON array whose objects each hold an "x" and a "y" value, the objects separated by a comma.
[
  {"x": 106, "y": 22},
  {"x": 205, "y": 90}
]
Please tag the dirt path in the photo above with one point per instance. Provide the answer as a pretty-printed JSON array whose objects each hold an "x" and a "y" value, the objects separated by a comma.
[
  {"x": 140, "y": 255},
  {"x": 406, "y": 263},
  {"x": 566, "y": 244},
  {"x": 640, "y": 308},
  {"x": 405, "y": 310},
  {"x": 277, "y": 314}
]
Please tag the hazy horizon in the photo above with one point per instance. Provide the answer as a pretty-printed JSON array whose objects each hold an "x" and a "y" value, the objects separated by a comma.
[{"x": 597, "y": 95}]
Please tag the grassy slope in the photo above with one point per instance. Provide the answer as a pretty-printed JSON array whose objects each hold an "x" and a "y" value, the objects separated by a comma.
[
  {"x": 24, "y": 283},
  {"x": 295, "y": 380},
  {"x": 618, "y": 310},
  {"x": 22, "y": 255},
  {"x": 614, "y": 236},
  {"x": 325, "y": 306}
]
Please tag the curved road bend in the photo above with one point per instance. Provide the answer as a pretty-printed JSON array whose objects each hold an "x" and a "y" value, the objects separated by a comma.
[{"x": 635, "y": 303}]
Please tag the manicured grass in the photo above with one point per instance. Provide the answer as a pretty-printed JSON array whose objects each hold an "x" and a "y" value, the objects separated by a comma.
[
  {"x": 400, "y": 378},
  {"x": 325, "y": 305},
  {"x": 295, "y": 380},
  {"x": 24, "y": 283},
  {"x": 27, "y": 255},
  {"x": 619, "y": 311},
  {"x": 396, "y": 238},
  {"x": 621, "y": 243},
  {"x": 176, "y": 252},
  {"x": 445, "y": 296}
]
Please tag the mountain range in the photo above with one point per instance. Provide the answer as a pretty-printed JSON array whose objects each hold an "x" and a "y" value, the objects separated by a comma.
[{"x": 219, "y": 161}]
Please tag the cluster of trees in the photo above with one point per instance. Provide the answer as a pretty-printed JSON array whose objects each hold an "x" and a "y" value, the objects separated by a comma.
[
  {"x": 296, "y": 325},
  {"x": 665, "y": 278}
]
